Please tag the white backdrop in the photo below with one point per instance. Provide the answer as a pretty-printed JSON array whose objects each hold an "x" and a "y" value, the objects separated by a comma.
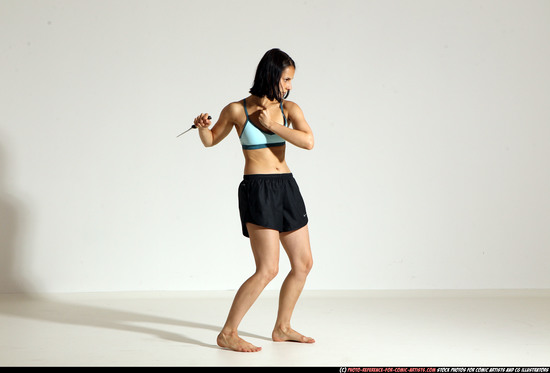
[{"x": 432, "y": 161}]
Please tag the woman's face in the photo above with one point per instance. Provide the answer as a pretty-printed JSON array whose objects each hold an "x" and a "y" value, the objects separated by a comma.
[{"x": 285, "y": 85}]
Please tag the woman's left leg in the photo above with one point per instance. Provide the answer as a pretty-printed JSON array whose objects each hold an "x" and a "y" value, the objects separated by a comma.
[{"x": 297, "y": 247}]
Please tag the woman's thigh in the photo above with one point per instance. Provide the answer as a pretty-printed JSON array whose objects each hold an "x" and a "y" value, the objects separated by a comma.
[
  {"x": 265, "y": 247},
  {"x": 298, "y": 248}
]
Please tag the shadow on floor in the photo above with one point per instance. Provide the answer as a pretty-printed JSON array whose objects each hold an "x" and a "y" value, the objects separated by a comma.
[
  {"x": 38, "y": 307},
  {"x": 15, "y": 278}
]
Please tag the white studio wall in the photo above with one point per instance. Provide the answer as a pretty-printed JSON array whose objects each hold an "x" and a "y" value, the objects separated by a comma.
[{"x": 432, "y": 161}]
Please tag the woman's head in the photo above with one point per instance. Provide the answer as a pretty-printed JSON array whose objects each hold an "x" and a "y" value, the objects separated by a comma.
[{"x": 269, "y": 73}]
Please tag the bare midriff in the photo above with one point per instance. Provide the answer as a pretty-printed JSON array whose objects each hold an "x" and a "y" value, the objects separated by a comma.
[{"x": 265, "y": 161}]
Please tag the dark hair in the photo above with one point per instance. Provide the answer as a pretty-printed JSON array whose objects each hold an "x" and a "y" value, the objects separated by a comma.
[{"x": 268, "y": 74}]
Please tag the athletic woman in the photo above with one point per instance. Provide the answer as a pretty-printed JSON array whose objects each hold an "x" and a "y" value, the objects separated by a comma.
[{"x": 270, "y": 204}]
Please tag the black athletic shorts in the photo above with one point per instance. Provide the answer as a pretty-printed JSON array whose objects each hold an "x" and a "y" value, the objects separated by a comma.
[{"x": 271, "y": 201}]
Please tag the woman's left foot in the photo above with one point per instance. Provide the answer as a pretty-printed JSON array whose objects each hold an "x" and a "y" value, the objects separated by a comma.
[{"x": 289, "y": 335}]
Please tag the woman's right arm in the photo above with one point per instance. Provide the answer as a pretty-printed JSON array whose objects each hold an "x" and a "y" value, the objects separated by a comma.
[{"x": 221, "y": 129}]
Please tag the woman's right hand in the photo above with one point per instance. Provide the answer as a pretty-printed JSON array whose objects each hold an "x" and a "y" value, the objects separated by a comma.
[{"x": 202, "y": 121}]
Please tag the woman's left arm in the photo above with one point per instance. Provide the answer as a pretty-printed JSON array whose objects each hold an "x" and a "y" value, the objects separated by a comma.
[{"x": 300, "y": 134}]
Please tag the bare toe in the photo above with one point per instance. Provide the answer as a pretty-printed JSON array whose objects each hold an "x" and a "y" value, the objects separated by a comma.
[
  {"x": 290, "y": 335},
  {"x": 236, "y": 343}
]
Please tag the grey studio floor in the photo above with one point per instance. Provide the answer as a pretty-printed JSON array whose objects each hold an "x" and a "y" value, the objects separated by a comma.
[{"x": 352, "y": 328}]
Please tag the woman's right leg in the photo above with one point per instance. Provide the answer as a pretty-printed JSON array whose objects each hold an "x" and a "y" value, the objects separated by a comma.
[{"x": 265, "y": 247}]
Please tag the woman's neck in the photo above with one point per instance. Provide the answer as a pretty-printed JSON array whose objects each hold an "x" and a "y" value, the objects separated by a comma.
[{"x": 263, "y": 101}]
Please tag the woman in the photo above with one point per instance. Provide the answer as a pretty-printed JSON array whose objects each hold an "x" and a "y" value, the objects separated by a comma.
[{"x": 270, "y": 204}]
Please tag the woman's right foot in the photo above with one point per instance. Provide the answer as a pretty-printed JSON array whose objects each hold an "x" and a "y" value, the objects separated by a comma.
[{"x": 236, "y": 343}]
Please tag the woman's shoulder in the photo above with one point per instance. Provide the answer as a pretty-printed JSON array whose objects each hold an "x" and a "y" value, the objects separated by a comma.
[
  {"x": 234, "y": 112},
  {"x": 234, "y": 108},
  {"x": 291, "y": 106}
]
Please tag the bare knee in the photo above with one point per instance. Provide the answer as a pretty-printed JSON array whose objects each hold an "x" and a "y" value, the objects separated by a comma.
[
  {"x": 303, "y": 268},
  {"x": 309, "y": 265},
  {"x": 267, "y": 274}
]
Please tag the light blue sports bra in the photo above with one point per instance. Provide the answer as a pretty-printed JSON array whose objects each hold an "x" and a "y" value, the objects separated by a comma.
[{"x": 253, "y": 137}]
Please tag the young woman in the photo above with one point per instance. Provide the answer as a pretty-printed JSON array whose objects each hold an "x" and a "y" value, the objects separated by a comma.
[{"x": 270, "y": 204}]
